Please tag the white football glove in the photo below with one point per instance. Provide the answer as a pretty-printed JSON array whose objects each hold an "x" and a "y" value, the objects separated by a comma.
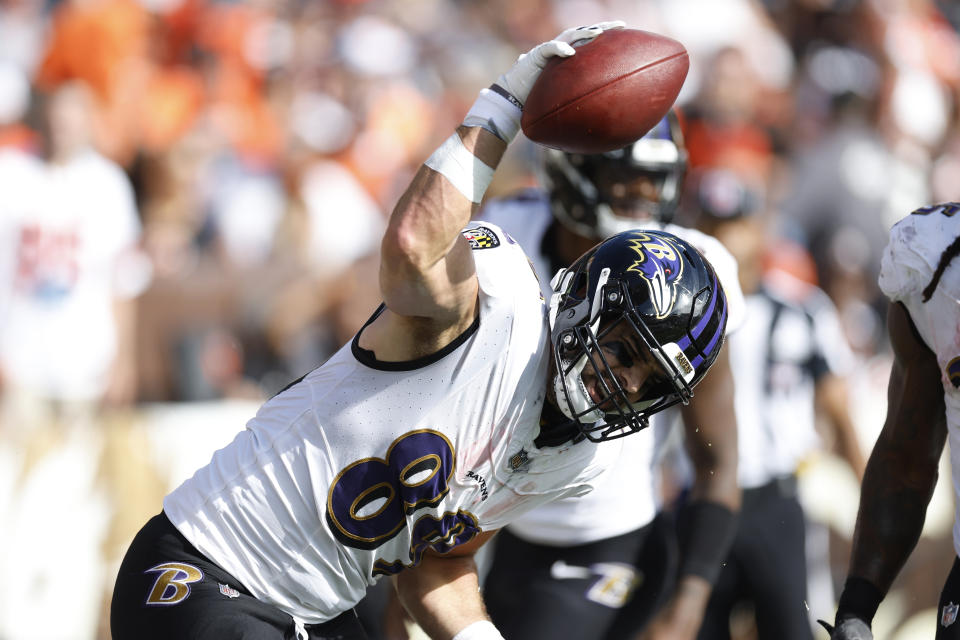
[{"x": 520, "y": 78}]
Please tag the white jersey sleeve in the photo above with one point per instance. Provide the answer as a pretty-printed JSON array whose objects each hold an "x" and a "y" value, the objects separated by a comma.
[{"x": 913, "y": 252}]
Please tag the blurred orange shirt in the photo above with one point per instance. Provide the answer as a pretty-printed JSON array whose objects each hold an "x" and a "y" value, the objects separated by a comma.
[{"x": 91, "y": 40}]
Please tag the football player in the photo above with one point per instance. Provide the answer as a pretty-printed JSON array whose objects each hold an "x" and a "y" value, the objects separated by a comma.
[
  {"x": 922, "y": 280},
  {"x": 463, "y": 402},
  {"x": 598, "y": 553}
]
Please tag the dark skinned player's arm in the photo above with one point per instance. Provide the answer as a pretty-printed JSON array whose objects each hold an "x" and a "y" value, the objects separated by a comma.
[{"x": 902, "y": 469}]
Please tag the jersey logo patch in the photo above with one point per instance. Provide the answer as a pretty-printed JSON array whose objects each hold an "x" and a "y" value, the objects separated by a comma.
[
  {"x": 949, "y": 614},
  {"x": 173, "y": 583},
  {"x": 519, "y": 461},
  {"x": 615, "y": 585},
  {"x": 481, "y": 238},
  {"x": 953, "y": 372},
  {"x": 228, "y": 591}
]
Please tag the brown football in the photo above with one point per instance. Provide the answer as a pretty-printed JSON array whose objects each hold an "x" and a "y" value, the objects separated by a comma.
[{"x": 606, "y": 96}]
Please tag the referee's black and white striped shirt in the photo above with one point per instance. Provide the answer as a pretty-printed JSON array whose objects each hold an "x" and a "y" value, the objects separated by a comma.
[{"x": 790, "y": 339}]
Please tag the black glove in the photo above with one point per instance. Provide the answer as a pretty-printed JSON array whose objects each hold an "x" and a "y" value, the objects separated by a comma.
[{"x": 848, "y": 629}]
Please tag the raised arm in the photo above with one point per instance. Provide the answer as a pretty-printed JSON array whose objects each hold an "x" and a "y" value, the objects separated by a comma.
[
  {"x": 427, "y": 272},
  {"x": 426, "y": 268},
  {"x": 429, "y": 285},
  {"x": 899, "y": 480}
]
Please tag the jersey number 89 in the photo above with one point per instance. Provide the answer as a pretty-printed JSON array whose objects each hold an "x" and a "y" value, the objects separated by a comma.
[{"x": 370, "y": 499}]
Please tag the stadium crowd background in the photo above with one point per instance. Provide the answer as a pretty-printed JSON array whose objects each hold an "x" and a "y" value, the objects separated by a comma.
[{"x": 265, "y": 142}]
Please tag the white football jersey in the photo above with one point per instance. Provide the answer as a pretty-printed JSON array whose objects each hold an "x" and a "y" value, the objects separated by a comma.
[
  {"x": 626, "y": 496},
  {"x": 355, "y": 471},
  {"x": 907, "y": 267}
]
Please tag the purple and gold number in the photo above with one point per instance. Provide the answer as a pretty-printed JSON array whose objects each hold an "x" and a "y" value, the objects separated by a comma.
[
  {"x": 947, "y": 208},
  {"x": 370, "y": 499},
  {"x": 438, "y": 534},
  {"x": 441, "y": 535}
]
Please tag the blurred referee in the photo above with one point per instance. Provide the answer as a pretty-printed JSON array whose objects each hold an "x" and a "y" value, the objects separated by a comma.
[{"x": 789, "y": 359}]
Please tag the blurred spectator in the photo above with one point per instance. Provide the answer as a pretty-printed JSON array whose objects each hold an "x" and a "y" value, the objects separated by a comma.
[
  {"x": 211, "y": 224},
  {"x": 837, "y": 203},
  {"x": 709, "y": 28},
  {"x": 23, "y": 33},
  {"x": 68, "y": 325},
  {"x": 722, "y": 121},
  {"x": 70, "y": 272},
  {"x": 113, "y": 38}
]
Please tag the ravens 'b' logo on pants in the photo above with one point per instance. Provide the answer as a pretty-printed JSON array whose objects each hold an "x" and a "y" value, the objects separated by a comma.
[{"x": 173, "y": 583}]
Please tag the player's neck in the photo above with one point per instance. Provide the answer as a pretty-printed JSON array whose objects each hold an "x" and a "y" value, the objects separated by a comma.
[{"x": 555, "y": 428}]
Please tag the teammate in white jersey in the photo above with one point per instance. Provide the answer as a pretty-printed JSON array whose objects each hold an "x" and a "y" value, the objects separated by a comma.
[
  {"x": 922, "y": 279},
  {"x": 463, "y": 402},
  {"x": 604, "y": 556}
]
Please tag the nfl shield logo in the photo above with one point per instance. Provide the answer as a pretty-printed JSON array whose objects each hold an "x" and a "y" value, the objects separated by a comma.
[
  {"x": 949, "y": 615},
  {"x": 519, "y": 461},
  {"x": 228, "y": 591}
]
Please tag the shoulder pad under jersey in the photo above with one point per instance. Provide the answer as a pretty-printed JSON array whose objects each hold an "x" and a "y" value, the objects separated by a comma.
[{"x": 914, "y": 249}]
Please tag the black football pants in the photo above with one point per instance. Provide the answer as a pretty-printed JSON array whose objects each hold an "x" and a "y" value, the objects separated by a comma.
[
  {"x": 766, "y": 566},
  {"x": 604, "y": 590},
  {"x": 167, "y": 589}
]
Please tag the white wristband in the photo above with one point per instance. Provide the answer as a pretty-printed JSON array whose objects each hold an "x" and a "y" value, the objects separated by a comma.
[
  {"x": 495, "y": 112},
  {"x": 464, "y": 170},
  {"x": 480, "y": 630}
]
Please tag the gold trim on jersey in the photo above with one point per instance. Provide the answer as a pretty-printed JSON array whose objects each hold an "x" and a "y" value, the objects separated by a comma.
[{"x": 366, "y": 497}]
